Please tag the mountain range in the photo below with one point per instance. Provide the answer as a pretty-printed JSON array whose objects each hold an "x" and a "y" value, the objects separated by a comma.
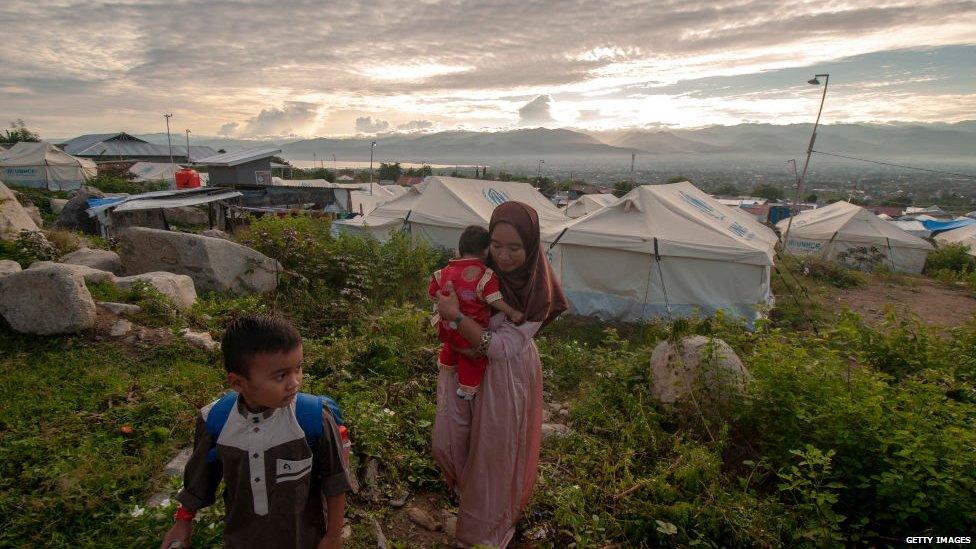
[{"x": 946, "y": 143}]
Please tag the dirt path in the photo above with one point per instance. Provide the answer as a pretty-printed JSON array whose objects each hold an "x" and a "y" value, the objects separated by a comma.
[{"x": 935, "y": 303}]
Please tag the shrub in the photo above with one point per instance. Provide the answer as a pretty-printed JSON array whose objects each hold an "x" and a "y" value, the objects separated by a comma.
[
  {"x": 829, "y": 272},
  {"x": 28, "y": 247},
  {"x": 950, "y": 257}
]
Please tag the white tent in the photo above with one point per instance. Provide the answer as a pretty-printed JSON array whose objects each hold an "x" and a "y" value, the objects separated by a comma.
[
  {"x": 446, "y": 205},
  {"x": 154, "y": 171},
  {"x": 380, "y": 221},
  {"x": 44, "y": 165},
  {"x": 588, "y": 203},
  {"x": 963, "y": 235},
  {"x": 852, "y": 235},
  {"x": 912, "y": 227},
  {"x": 663, "y": 251}
]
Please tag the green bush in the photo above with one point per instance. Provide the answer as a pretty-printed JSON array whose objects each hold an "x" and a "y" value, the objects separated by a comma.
[
  {"x": 28, "y": 247},
  {"x": 950, "y": 257},
  {"x": 829, "y": 272}
]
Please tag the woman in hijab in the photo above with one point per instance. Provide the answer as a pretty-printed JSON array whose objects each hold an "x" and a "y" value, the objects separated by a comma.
[{"x": 488, "y": 448}]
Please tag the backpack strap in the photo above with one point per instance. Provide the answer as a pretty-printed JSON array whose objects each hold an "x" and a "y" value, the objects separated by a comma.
[
  {"x": 308, "y": 412},
  {"x": 216, "y": 419}
]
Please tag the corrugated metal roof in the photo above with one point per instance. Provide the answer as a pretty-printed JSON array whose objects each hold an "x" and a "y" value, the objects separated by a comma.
[
  {"x": 162, "y": 199},
  {"x": 107, "y": 145},
  {"x": 239, "y": 157},
  {"x": 83, "y": 142}
]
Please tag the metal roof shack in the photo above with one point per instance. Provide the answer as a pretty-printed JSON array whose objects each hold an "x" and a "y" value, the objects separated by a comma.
[
  {"x": 122, "y": 146},
  {"x": 150, "y": 209},
  {"x": 246, "y": 168}
]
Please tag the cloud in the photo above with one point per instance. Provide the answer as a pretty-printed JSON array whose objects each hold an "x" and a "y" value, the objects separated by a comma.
[
  {"x": 415, "y": 125},
  {"x": 292, "y": 118},
  {"x": 229, "y": 128},
  {"x": 536, "y": 112},
  {"x": 366, "y": 124},
  {"x": 460, "y": 63}
]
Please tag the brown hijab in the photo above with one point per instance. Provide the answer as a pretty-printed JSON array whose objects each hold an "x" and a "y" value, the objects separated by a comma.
[{"x": 531, "y": 288}]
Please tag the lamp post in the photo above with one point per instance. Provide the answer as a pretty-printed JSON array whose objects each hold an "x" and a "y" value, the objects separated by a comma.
[
  {"x": 371, "y": 147},
  {"x": 813, "y": 137},
  {"x": 188, "y": 146},
  {"x": 168, "y": 141}
]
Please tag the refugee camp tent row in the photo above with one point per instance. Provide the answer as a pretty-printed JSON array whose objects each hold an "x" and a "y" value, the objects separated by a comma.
[
  {"x": 851, "y": 235},
  {"x": 663, "y": 251},
  {"x": 963, "y": 235},
  {"x": 45, "y": 166},
  {"x": 588, "y": 203},
  {"x": 438, "y": 210}
]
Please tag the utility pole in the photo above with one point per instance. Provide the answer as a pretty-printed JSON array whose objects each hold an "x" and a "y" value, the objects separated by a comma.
[
  {"x": 633, "y": 156},
  {"x": 539, "y": 173},
  {"x": 188, "y": 146},
  {"x": 371, "y": 147},
  {"x": 168, "y": 141}
]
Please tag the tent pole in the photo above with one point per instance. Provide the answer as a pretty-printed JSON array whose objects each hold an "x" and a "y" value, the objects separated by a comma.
[
  {"x": 556, "y": 241},
  {"x": 660, "y": 273}
]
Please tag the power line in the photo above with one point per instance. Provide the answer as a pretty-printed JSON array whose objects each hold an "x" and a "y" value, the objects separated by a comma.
[{"x": 968, "y": 176}]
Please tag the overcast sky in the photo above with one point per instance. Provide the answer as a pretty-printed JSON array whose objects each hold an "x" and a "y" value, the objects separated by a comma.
[{"x": 284, "y": 68}]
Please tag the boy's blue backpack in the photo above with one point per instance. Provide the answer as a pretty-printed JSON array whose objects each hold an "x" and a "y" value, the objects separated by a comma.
[{"x": 308, "y": 412}]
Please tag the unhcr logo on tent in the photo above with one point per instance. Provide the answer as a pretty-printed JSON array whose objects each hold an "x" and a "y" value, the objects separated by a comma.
[
  {"x": 699, "y": 204},
  {"x": 494, "y": 196}
]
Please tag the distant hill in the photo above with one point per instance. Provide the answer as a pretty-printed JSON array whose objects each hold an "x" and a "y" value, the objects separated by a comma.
[{"x": 743, "y": 143}]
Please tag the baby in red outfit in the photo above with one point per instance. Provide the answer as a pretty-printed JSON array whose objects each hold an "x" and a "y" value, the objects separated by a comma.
[{"x": 478, "y": 293}]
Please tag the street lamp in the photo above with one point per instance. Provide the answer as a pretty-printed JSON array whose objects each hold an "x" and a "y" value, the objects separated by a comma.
[
  {"x": 815, "y": 81},
  {"x": 188, "y": 146},
  {"x": 168, "y": 141},
  {"x": 371, "y": 147}
]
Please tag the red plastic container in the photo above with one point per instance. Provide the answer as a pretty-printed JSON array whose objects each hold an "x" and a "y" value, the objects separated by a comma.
[{"x": 187, "y": 179}]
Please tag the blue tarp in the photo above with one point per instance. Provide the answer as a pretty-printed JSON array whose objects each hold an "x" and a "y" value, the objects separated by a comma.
[
  {"x": 942, "y": 226},
  {"x": 94, "y": 202}
]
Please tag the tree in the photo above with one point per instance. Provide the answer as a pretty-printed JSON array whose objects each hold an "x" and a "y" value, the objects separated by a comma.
[
  {"x": 811, "y": 198},
  {"x": 770, "y": 192},
  {"x": 621, "y": 188},
  {"x": 18, "y": 132},
  {"x": 728, "y": 189},
  {"x": 679, "y": 179},
  {"x": 422, "y": 171},
  {"x": 390, "y": 171}
]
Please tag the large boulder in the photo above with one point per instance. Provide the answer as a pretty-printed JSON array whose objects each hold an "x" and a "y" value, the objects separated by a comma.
[
  {"x": 74, "y": 215},
  {"x": 103, "y": 260},
  {"x": 213, "y": 263},
  {"x": 46, "y": 301},
  {"x": 9, "y": 266},
  {"x": 13, "y": 217},
  {"x": 88, "y": 274},
  {"x": 178, "y": 288},
  {"x": 57, "y": 204},
  {"x": 697, "y": 368}
]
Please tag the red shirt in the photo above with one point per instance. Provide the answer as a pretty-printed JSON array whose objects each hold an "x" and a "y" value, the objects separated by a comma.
[{"x": 475, "y": 284}]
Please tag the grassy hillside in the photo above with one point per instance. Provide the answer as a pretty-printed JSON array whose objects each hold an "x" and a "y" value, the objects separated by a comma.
[{"x": 847, "y": 434}]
